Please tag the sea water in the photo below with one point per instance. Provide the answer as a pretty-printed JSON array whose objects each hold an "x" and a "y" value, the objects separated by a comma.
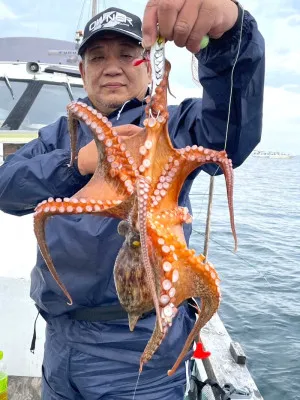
[{"x": 261, "y": 282}]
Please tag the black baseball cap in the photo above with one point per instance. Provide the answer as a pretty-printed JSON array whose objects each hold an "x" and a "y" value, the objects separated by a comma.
[{"x": 112, "y": 19}]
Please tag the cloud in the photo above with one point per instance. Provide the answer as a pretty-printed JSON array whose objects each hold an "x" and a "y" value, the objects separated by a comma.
[
  {"x": 283, "y": 53},
  {"x": 272, "y": 7},
  {"x": 279, "y": 23},
  {"x": 294, "y": 20},
  {"x": 292, "y": 87},
  {"x": 281, "y": 119},
  {"x": 283, "y": 62},
  {"x": 6, "y": 13}
]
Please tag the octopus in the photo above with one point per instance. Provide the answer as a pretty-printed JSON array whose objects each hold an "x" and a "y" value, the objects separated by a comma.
[{"x": 137, "y": 180}]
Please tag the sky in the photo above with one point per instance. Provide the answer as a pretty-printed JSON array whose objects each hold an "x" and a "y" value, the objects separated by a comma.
[{"x": 278, "y": 21}]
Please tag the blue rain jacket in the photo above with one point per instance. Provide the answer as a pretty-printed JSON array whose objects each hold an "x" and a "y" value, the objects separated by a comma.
[{"x": 84, "y": 247}]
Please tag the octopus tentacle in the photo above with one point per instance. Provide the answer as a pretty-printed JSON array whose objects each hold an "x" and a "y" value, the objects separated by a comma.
[
  {"x": 182, "y": 269},
  {"x": 142, "y": 216},
  {"x": 39, "y": 230},
  {"x": 209, "y": 307},
  {"x": 72, "y": 124},
  {"x": 155, "y": 123},
  {"x": 198, "y": 156},
  {"x": 153, "y": 344},
  {"x": 181, "y": 164},
  {"x": 51, "y": 207},
  {"x": 173, "y": 217},
  {"x": 112, "y": 150}
]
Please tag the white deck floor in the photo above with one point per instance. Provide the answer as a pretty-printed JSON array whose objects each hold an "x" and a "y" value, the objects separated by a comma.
[{"x": 17, "y": 310}]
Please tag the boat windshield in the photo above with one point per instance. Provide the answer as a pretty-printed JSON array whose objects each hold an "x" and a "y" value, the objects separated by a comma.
[
  {"x": 78, "y": 92},
  {"x": 31, "y": 105},
  {"x": 49, "y": 105},
  {"x": 7, "y": 101}
]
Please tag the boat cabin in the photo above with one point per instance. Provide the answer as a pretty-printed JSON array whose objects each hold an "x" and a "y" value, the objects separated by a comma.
[{"x": 38, "y": 78}]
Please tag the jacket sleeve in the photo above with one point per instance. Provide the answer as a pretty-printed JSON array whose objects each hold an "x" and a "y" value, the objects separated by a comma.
[
  {"x": 37, "y": 171},
  {"x": 205, "y": 119}
]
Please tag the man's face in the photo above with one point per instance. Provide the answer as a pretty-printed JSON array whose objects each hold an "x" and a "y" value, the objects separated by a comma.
[{"x": 109, "y": 76}]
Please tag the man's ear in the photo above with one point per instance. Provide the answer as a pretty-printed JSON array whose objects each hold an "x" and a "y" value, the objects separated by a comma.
[
  {"x": 82, "y": 72},
  {"x": 81, "y": 69}
]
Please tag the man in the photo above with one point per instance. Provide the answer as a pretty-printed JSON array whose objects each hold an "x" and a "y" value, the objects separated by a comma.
[{"x": 90, "y": 352}]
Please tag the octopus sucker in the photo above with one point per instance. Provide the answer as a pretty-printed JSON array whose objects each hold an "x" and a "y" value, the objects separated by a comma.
[
  {"x": 138, "y": 179},
  {"x": 74, "y": 206}
]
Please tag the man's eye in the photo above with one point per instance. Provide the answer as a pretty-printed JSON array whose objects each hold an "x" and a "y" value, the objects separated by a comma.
[
  {"x": 97, "y": 58},
  {"x": 126, "y": 56}
]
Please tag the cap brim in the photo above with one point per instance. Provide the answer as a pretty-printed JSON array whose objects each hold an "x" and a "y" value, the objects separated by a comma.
[{"x": 85, "y": 42}]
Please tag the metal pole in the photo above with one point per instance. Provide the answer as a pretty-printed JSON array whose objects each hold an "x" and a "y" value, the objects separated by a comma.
[
  {"x": 94, "y": 8},
  {"x": 208, "y": 219}
]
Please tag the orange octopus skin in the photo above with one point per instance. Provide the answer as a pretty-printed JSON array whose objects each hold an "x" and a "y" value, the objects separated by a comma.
[{"x": 138, "y": 180}]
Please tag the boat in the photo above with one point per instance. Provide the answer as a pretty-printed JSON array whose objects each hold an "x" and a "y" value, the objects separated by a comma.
[
  {"x": 280, "y": 155},
  {"x": 271, "y": 154},
  {"x": 38, "y": 78},
  {"x": 39, "y": 72}
]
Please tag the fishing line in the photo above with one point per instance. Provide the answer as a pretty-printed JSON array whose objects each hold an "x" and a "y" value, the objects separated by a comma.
[
  {"x": 137, "y": 382},
  {"x": 230, "y": 93},
  {"x": 237, "y": 255},
  {"x": 231, "y": 78}
]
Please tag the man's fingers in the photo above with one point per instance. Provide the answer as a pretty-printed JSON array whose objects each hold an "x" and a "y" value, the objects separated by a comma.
[
  {"x": 202, "y": 26},
  {"x": 150, "y": 23},
  {"x": 167, "y": 13},
  {"x": 185, "y": 22}
]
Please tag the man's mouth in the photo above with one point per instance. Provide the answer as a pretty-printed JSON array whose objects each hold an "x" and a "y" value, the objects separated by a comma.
[{"x": 113, "y": 85}]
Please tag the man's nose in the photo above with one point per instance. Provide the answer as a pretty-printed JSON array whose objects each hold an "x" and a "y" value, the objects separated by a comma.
[{"x": 112, "y": 66}]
